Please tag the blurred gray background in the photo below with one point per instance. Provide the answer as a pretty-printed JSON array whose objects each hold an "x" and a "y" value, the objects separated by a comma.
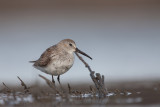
[{"x": 122, "y": 36}]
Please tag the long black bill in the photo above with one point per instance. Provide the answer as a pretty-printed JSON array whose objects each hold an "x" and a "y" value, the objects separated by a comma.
[{"x": 81, "y": 52}]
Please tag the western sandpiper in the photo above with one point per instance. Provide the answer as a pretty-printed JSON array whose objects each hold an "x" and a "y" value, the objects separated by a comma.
[{"x": 58, "y": 59}]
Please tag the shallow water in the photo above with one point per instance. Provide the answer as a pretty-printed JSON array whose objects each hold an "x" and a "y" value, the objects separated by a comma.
[
  {"x": 139, "y": 96},
  {"x": 112, "y": 98}
]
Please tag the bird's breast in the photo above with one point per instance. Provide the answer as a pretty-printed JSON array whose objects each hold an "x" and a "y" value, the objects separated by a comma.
[{"x": 60, "y": 64}]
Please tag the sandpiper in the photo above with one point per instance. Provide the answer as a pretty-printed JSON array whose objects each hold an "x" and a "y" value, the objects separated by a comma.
[{"x": 58, "y": 59}]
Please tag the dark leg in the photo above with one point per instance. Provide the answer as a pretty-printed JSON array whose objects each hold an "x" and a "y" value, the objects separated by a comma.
[
  {"x": 53, "y": 79},
  {"x": 58, "y": 78}
]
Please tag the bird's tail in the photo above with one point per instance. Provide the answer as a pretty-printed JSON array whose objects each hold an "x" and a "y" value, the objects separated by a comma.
[{"x": 32, "y": 61}]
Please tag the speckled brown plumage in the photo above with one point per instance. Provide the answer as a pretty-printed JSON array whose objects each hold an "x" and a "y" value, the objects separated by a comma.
[{"x": 58, "y": 58}]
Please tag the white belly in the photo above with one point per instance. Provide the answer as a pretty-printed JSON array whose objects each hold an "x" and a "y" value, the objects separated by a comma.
[{"x": 57, "y": 67}]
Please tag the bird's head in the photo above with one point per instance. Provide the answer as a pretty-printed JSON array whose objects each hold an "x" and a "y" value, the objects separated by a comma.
[{"x": 70, "y": 46}]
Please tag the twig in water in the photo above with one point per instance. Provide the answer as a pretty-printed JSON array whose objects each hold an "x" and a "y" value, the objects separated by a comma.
[
  {"x": 8, "y": 89},
  {"x": 50, "y": 84},
  {"x": 26, "y": 89},
  {"x": 98, "y": 80},
  {"x": 92, "y": 89}
]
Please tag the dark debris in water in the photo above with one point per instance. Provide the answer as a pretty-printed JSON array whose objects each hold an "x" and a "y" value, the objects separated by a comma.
[{"x": 44, "y": 95}]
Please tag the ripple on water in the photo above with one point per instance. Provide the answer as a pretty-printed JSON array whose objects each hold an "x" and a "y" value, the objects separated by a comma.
[{"x": 18, "y": 98}]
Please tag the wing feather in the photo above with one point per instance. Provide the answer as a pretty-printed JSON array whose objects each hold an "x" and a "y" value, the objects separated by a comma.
[{"x": 45, "y": 58}]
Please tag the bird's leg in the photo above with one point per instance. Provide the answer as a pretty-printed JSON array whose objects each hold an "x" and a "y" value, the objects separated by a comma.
[
  {"x": 58, "y": 78},
  {"x": 53, "y": 79}
]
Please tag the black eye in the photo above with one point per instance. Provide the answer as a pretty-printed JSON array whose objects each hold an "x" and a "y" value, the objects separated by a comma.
[{"x": 70, "y": 44}]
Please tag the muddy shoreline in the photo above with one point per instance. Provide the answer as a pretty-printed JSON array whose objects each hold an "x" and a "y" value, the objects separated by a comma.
[{"x": 126, "y": 94}]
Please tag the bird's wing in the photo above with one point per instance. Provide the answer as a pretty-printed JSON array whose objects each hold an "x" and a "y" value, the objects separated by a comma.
[{"x": 45, "y": 58}]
